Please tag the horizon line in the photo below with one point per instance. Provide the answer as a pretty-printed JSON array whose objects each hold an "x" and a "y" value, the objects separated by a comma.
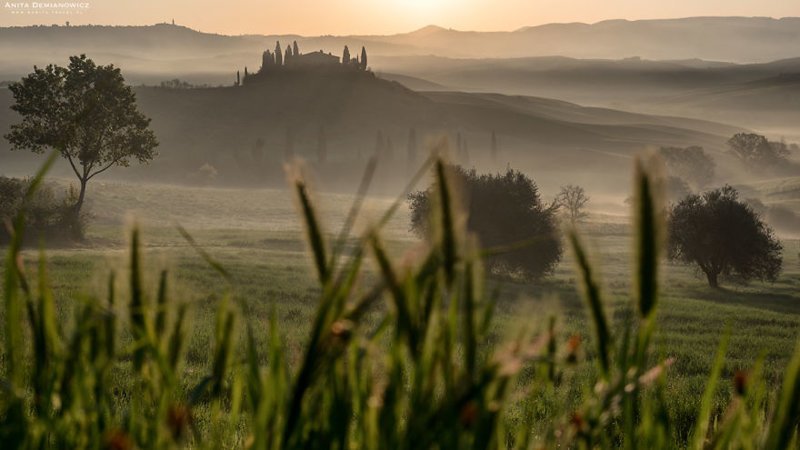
[{"x": 416, "y": 30}]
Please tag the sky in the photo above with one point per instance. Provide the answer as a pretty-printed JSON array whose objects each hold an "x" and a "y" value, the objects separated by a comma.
[{"x": 342, "y": 17}]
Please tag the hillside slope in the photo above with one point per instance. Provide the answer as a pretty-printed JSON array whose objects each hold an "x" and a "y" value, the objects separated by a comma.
[{"x": 219, "y": 126}]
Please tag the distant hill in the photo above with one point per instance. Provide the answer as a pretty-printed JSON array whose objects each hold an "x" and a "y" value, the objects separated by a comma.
[
  {"x": 763, "y": 96},
  {"x": 736, "y": 39},
  {"x": 150, "y": 53},
  {"x": 555, "y": 140}
]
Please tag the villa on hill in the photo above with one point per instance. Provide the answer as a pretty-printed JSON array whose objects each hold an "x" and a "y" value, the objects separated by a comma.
[{"x": 277, "y": 60}]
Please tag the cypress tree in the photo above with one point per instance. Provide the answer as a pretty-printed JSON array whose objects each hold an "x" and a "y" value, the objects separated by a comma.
[
  {"x": 363, "y": 58},
  {"x": 346, "y": 56},
  {"x": 296, "y": 49},
  {"x": 288, "y": 56},
  {"x": 238, "y": 79},
  {"x": 278, "y": 54},
  {"x": 265, "y": 60}
]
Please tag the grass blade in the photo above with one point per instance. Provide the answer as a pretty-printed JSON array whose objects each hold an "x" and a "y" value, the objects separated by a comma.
[
  {"x": 648, "y": 234},
  {"x": 707, "y": 403},
  {"x": 592, "y": 294}
]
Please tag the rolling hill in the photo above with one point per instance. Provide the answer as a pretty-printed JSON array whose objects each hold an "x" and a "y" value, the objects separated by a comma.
[
  {"x": 150, "y": 53},
  {"x": 219, "y": 126}
]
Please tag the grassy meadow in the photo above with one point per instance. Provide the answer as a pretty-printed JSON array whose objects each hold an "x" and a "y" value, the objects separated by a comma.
[{"x": 257, "y": 236}]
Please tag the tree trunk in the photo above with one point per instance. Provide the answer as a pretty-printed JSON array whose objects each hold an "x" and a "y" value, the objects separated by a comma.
[
  {"x": 81, "y": 196},
  {"x": 75, "y": 227},
  {"x": 712, "y": 279}
]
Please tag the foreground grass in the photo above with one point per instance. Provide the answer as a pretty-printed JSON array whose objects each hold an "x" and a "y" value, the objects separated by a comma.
[{"x": 271, "y": 269}]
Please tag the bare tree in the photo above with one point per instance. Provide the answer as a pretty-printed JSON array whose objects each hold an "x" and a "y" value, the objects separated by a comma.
[{"x": 573, "y": 199}]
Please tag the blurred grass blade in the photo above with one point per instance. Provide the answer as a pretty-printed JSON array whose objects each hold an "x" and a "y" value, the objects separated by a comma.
[
  {"x": 787, "y": 414},
  {"x": 314, "y": 232},
  {"x": 448, "y": 221},
  {"x": 707, "y": 403},
  {"x": 648, "y": 233},
  {"x": 161, "y": 306},
  {"x": 203, "y": 254},
  {"x": 592, "y": 294},
  {"x": 358, "y": 202},
  {"x": 13, "y": 278},
  {"x": 137, "y": 304}
]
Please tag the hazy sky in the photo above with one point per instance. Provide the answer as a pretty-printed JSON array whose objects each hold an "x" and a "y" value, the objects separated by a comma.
[{"x": 315, "y": 17}]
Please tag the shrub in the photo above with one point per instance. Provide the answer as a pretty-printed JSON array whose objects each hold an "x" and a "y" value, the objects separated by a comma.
[
  {"x": 48, "y": 215},
  {"x": 505, "y": 212}
]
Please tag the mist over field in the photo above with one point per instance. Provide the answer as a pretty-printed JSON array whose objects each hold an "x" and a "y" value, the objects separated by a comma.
[{"x": 290, "y": 184}]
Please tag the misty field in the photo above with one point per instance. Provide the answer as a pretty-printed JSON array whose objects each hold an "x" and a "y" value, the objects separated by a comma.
[{"x": 257, "y": 236}]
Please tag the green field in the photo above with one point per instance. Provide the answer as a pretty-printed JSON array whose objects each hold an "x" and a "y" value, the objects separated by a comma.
[{"x": 256, "y": 235}]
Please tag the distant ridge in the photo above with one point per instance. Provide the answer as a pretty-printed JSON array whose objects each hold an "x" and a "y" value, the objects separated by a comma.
[{"x": 730, "y": 39}]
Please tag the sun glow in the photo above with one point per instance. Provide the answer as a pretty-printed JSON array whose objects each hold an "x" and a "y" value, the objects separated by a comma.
[{"x": 421, "y": 10}]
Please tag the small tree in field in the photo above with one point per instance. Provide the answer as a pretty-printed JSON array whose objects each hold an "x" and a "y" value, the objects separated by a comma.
[
  {"x": 504, "y": 210},
  {"x": 724, "y": 237},
  {"x": 85, "y": 112},
  {"x": 573, "y": 200}
]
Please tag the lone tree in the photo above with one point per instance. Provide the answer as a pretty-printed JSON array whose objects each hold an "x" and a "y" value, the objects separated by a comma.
[
  {"x": 724, "y": 237},
  {"x": 85, "y": 112},
  {"x": 573, "y": 200},
  {"x": 504, "y": 211}
]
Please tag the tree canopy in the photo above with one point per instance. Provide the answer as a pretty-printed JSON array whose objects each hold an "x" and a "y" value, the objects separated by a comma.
[
  {"x": 86, "y": 113},
  {"x": 692, "y": 164},
  {"x": 724, "y": 237},
  {"x": 758, "y": 152},
  {"x": 504, "y": 211}
]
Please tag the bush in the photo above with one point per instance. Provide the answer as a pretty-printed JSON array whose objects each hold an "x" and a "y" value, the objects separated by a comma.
[
  {"x": 47, "y": 215},
  {"x": 504, "y": 211}
]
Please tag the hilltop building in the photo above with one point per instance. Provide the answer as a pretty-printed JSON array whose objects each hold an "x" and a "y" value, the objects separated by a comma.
[{"x": 278, "y": 60}]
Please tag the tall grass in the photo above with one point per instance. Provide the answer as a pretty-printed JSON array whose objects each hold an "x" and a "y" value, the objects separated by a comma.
[{"x": 397, "y": 362}]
